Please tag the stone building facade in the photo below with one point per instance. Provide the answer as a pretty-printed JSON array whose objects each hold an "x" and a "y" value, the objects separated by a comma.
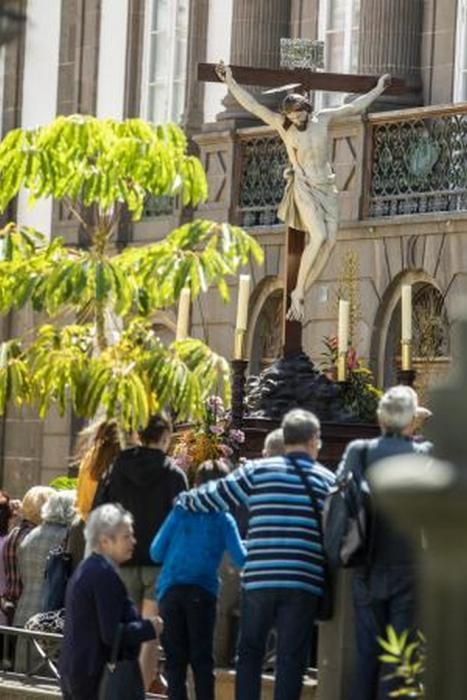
[{"x": 401, "y": 171}]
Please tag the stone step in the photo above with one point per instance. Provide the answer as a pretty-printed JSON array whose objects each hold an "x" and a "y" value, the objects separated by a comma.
[{"x": 13, "y": 686}]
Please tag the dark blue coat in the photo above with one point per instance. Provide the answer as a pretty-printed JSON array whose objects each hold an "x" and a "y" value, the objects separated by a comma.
[{"x": 96, "y": 603}]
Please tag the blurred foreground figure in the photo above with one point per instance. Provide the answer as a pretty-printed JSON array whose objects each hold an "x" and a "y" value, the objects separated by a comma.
[{"x": 384, "y": 589}]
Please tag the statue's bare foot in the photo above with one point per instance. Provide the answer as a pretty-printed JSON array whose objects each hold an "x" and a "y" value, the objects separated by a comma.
[{"x": 295, "y": 312}]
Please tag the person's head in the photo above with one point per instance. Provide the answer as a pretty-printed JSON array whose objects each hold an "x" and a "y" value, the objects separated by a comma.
[
  {"x": 397, "y": 410},
  {"x": 59, "y": 508},
  {"x": 302, "y": 432},
  {"x": 33, "y": 501},
  {"x": 100, "y": 446},
  {"x": 157, "y": 433},
  {"x": 109, "y": 531},
  {"x": 210, "y": 470},
  {"x": 274, "y": 443},
  {"x": 296, "y": 110},
  {"x": 5, "y": 513}
]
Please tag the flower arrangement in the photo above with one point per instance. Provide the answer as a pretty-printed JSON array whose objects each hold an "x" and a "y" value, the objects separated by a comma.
[
  {"x": 212, "y": 439},
  {"x": 360, "y": 394}
]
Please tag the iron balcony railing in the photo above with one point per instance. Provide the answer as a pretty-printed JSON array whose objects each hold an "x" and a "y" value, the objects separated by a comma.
[
  {"x": 263, "y": 159},
  {"x": 417, "y": 162}
]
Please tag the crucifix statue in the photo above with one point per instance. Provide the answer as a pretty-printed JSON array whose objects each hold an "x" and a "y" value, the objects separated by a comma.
[{"x": 310, "y": 200}]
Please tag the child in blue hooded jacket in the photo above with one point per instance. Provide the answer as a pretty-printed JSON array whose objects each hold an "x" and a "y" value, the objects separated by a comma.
[{"x": 190, "y": 547}]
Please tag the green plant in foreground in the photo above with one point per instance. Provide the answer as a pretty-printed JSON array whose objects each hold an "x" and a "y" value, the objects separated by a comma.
[
  {"x": 408, "y": 657},
  {"x": 92, "y": 342}
]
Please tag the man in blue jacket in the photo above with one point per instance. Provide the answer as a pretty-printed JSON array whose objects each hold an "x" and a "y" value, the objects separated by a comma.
[{"x": 283, "y": 579}]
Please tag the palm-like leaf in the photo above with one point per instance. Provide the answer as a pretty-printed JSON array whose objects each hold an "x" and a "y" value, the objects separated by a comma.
[
  {"x": 101, "y": 162},
  {"x": 99, "y": 168}
]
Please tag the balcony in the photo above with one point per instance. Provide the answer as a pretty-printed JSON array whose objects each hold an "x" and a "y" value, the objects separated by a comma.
[
  {"x": 395, "y": 163},
  {"x": 417, "y": 162}
]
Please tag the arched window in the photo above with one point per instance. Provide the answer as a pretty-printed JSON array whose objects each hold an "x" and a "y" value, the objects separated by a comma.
[
  {"x": 430, "y": 335},
  {"x": 267, "y": 335}
]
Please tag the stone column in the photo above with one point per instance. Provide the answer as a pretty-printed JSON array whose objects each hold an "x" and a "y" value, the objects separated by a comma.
[
  {"x": 390, "y": 40},
  {"x": 197, "y": 44},
  {"x": 257, "y": 28}
]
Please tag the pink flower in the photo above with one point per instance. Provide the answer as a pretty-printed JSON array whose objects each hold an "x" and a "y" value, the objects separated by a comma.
[
  {"x": 352, "y": 360},
  {"x": 237, "y": 436},
  {"x": 216, "y": 429},
  {"x": 225, "y": 450},
  {"x": 215, "y": 403}
]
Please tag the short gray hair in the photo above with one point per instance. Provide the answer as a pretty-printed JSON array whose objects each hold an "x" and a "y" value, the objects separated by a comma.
[
  {"x": 274, "y": 443},
  {"x": 397, "y": 408},
  {"x": 300, "y": 426},
  {"x": 59, "y": 508},
  {"x": 105, "y": 521}
]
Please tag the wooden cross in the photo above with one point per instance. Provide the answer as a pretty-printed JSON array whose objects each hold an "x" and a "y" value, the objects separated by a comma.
[{"x": 310, "y": 80}]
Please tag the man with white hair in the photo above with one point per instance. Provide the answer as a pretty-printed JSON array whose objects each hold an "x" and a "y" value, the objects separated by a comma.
[{"x": 384, "y": 589}]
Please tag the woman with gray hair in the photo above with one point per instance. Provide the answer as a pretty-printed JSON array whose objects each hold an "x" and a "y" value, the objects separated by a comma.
[
  {"x": 384, "y": 589},
  {"x": 57, "y": 513},
  {"x": 98, "y": 608}
]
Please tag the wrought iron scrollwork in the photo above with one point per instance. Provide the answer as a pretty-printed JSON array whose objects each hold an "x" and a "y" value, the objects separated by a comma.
[
  {"x": 419, "y": 165},
  {"x": 158, "y": 206},
  {"x": 264, "y": 160}
]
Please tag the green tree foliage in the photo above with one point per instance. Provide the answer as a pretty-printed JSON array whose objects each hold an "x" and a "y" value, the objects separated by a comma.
[{"x": 101, "y": 170}]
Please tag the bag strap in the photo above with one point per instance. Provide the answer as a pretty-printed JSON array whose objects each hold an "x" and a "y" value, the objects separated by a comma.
[{"x": 312, "y": 496}]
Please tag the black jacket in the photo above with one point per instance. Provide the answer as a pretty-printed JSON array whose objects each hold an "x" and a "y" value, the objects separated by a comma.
[{"x": 145, "y": 482}]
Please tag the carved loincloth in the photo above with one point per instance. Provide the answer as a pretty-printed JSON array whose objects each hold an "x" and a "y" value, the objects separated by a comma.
[{"x": 301, "y": 193}]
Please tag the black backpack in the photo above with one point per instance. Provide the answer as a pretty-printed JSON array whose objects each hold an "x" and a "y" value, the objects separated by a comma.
[{"x": 347, "y": 519}]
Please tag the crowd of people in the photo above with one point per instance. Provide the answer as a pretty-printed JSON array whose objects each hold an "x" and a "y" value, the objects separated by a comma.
[{"x": 146, "y": 551}]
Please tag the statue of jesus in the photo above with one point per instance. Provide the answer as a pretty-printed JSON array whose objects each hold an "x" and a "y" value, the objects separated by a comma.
[{"x": 310, "y": 200}]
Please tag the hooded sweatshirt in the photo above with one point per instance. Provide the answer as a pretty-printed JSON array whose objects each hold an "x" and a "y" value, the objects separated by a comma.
[{"x": 145, "y": 482}]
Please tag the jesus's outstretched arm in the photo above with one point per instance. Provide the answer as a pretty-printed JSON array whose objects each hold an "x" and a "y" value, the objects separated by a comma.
[
  {"x": 357, "y": 106},
  {"x": 246, "y": 99}
]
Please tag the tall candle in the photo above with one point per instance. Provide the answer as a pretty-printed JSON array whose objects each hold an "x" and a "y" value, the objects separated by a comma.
[
  {"x": 242, "y": 303},
  {"x": 183, "y": 318},
  {"x": 343, "y": 326},
  {"x": 406, "y": 295}
]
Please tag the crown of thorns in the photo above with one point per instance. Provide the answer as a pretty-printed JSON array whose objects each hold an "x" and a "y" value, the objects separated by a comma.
[{"x": 295, "y": 103}]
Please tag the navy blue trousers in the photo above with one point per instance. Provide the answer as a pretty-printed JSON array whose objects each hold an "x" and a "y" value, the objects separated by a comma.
[
  {"x": 189, "y": 614},
  {"x": 292, "y": 612}
]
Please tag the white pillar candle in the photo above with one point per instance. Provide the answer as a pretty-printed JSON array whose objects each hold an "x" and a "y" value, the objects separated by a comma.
[
  {"x": 406, "y": 330},
  {"x": 343, "y": 326},
  {"x": 183, "y": 318},
  {"x": 242, "y": 303}
]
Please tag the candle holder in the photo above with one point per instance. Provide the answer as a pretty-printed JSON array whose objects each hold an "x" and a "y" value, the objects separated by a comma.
[
  {"x": 342, "y": 367},
  {"x": 406, "y": 355},
  {"x": 238, "y": 391},
  {"x": 239, "y": 344},
  {"x": 406, "y": 375}
]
